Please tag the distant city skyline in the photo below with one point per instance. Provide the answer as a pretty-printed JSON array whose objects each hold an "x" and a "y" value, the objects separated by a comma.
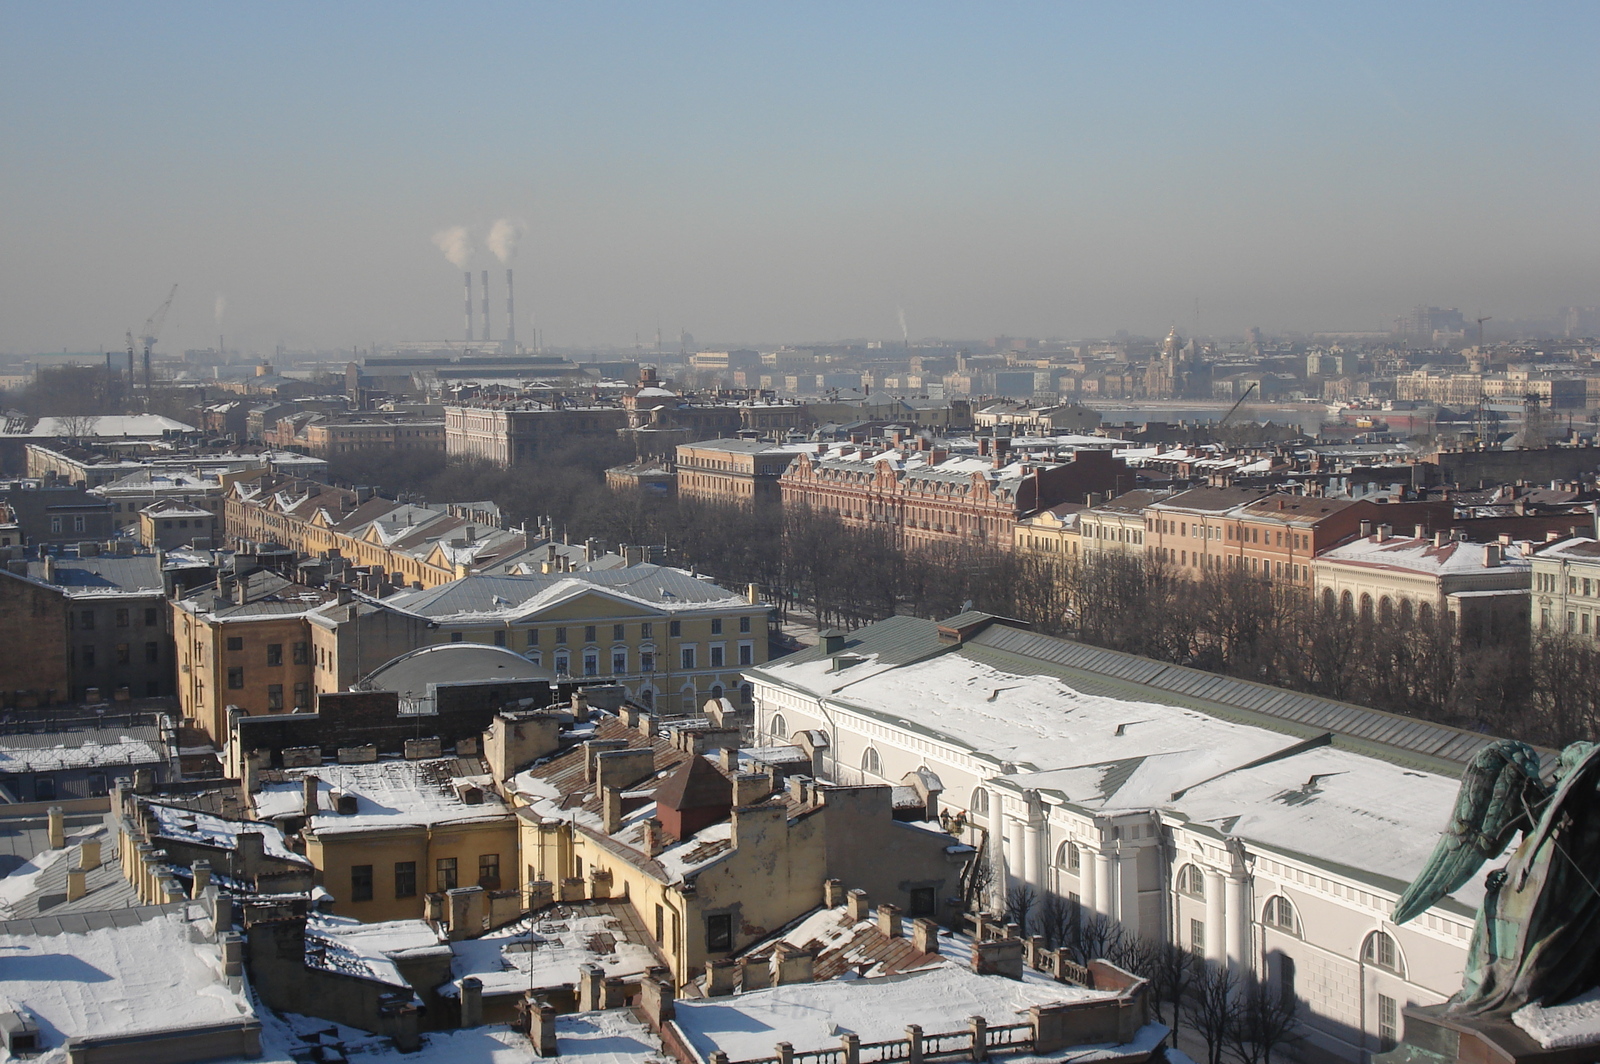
[{"x": 320, "y": 177}]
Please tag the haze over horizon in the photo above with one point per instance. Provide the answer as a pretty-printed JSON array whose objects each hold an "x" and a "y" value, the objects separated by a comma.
[{"x": 759, "y": 174}]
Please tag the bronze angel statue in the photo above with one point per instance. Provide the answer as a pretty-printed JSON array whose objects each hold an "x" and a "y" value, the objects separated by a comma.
[{"x": 1538, "y": 934}]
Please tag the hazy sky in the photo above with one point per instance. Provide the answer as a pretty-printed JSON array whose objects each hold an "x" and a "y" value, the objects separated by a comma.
[{"x": 760, "y": 172}]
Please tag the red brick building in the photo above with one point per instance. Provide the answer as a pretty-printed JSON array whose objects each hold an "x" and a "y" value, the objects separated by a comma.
[{"x": 927, "y": 497}]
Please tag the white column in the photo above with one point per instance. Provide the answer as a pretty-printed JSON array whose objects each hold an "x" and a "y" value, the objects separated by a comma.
[
  {"x": 1128, "y": 888},
  {"x": 1006, "y": 829},
  {"x": 1237, "y": 918},
  {"x": 1032, "y": 867},
  {"x": 1105, "y": 902},
  {"x": 1088, "y": 878},
  {"x": 1216, "y": 941}
]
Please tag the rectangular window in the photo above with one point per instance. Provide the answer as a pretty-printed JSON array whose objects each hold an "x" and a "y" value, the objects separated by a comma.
[
  {"x": 647, "y": 630},
  {"x": 747, "y": 654},
  {"x": 455, "y": 637},
  {"x": 444, "y": 874},
  {"x": 591, "y": 663},
  {"x": 561, "y": 635},
  {"x": 617, "y": 633},
  {"x": 361, "y": 882},
  {"x": 675, "y": 628},
  {"x": 562, "y": 663},
  {"x": 302, "y": 695},
  {"x": 55, "y": 523},
  {"x": 236, "y": 642},
  {"x": 923, "y": 901},
  {"x": 1388, "y": 1022},
  {"x": 77, "y": 523},
  {"x": 87, "y": 655},
  {"x": 719, "y": 933},
  {"x": 489, "y": 871},
  {"x": 647, "y": 661},
  {"x": 97, "y": 785},
  {"x": 1197, "y": 936},
  {"x": 619, "y": 662},
  {"x": 274, "y": 696},
  {"x": 302, "y": 654},
  {"x": 86, "y": 620},
  {"x": 716, "y": 626},
  {"x": 533, "y": 637},
  {"x": 152, "y": 616},
  {"x": 152, "y": 653},
  {"x": 588, "y": 634},
  {"x": 499, "y": 637},
  {"x": 122, "y": 618},
  {"x": 124, "y": 654},
  {"x": 274, "y": 653},
  {"x": 661, "y": 929},
  {"x": 44, "y": 789},
  {"x": 687, "y": 658},
  {"x": 405, "y": 879},
  {"x": 717, "y": 654},
  {"x": 744, "y": 624}
]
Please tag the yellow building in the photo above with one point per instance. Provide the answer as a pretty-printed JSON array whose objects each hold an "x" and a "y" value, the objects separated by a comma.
[
  {"x": 246, "y": 645},
  {"x": 1053, "y": 532},
  {"x": 670, "y": 639},
  {"x": 744, "y": 472},
  {"x": 385, "y": 834}
]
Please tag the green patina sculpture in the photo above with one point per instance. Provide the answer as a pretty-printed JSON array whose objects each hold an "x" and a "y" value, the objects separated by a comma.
[{"x": 1537, "y": 937}]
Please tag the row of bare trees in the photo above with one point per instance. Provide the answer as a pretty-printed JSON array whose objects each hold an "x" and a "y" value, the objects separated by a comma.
[
  {"x": 1243, "y": 1017},
  {"x": 1541, "y": 689}
]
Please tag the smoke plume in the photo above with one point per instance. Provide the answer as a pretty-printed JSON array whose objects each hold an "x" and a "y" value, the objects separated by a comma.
[
  {"x": 503, "y": 237},
  {"x": 219, "y": 308},
  {"x": 905, "y": 334},
  {"x": 456, "y": 245}
]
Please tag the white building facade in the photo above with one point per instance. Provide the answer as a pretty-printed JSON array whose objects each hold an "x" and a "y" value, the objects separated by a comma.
[{"x": 1276, "y": 846}]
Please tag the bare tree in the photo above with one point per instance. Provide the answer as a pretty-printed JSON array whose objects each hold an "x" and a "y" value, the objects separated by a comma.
[
  {"x": 77, "y": 427},
  {"x": 1021, "y": 900},
  {"x": 1263, "y": 1020},
  {"x": 1173, "y": 970},
  {"x": 1212, "y": 1008},
  {"x": 1058, "y": 919}
]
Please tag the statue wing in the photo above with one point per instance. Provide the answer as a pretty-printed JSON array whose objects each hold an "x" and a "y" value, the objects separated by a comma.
[{"x": 1497, "y": 790}]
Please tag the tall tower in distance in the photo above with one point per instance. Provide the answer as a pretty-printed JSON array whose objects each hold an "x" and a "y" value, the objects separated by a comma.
[
  {"x": 469, "y": 306},
  {"x": 486, "y": 336},
  {"x": 511, "y": 317}
]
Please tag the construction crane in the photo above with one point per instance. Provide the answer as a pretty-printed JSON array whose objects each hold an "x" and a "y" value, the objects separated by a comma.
[
  {"x": 1480, "y": 331},
  {"x": 1234, "y": 409},
  {"x": 152, "y": 329}
]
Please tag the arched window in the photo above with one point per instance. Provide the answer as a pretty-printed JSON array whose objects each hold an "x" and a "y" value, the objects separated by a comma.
[
  {"x": 980, "y": 802},
  {"x": 1191, "y": 881},
  {"x": 648, "y": 697},
  {"x": 778, "y": 728},
  {"x": 1405, "y": 611},
  {"x": 870, "y": 761},
  {"x": 1385, "y": 609},
  {"x": 747, "y": 693},
  {"x": 1380, "y": 951},
  {"x": 1425, "y": 613},
  {"x": 1280, "y": 914},
  {"x": 1346, "y": 605},
  {"x": 1069, "y": 858},
  {"x": 1366, "y": 607},
  {"x": 716, "y": 691},
  {"x": 1328, "y": 601}
]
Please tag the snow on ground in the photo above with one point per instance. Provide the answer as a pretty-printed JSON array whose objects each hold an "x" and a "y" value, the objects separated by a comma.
[
  {"x": 117, "y": 980},
  {"x": 1577, "y": 1023},
  {"x": 813, "y": 1015}
]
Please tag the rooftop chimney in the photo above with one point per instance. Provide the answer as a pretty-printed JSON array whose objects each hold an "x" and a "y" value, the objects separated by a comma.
[
  {"x": 469, "y": 306},
  {"x": 511, "y": 313},
  {"x": 485, "y": 299}
]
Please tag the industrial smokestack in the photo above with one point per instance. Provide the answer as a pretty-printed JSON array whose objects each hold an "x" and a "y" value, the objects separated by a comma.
[
  {"x": 511, "y": 315},
  {"x": 486, "y": 335},
  {"x": 469, "y": 306}
]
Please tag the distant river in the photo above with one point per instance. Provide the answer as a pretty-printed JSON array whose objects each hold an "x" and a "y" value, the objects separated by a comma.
[{"x": 1308, "y": 416}]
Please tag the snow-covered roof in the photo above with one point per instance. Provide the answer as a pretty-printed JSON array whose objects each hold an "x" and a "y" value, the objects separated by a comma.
[
  {"x": 139, "y": 975},
  {"x": 1407, "y": 553},
  {"x": 488, "y": 597},
  {"x": 388, "y": 794},
  {"x": 368, "y": 951},
  {"x": 189, "y": 825},
  {"x": 105, "y": 425},
  {"x": 812, "y": 1016},
  {"x": 89, "y": 748},
  {"x": 546, "y": 949},
  {"x": 1120, "y": 753}
]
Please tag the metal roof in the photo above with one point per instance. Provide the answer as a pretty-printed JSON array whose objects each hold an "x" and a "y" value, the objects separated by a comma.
[
  {"x": 411, "y": 674},
  {"x": 1109, "y": 672}
]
